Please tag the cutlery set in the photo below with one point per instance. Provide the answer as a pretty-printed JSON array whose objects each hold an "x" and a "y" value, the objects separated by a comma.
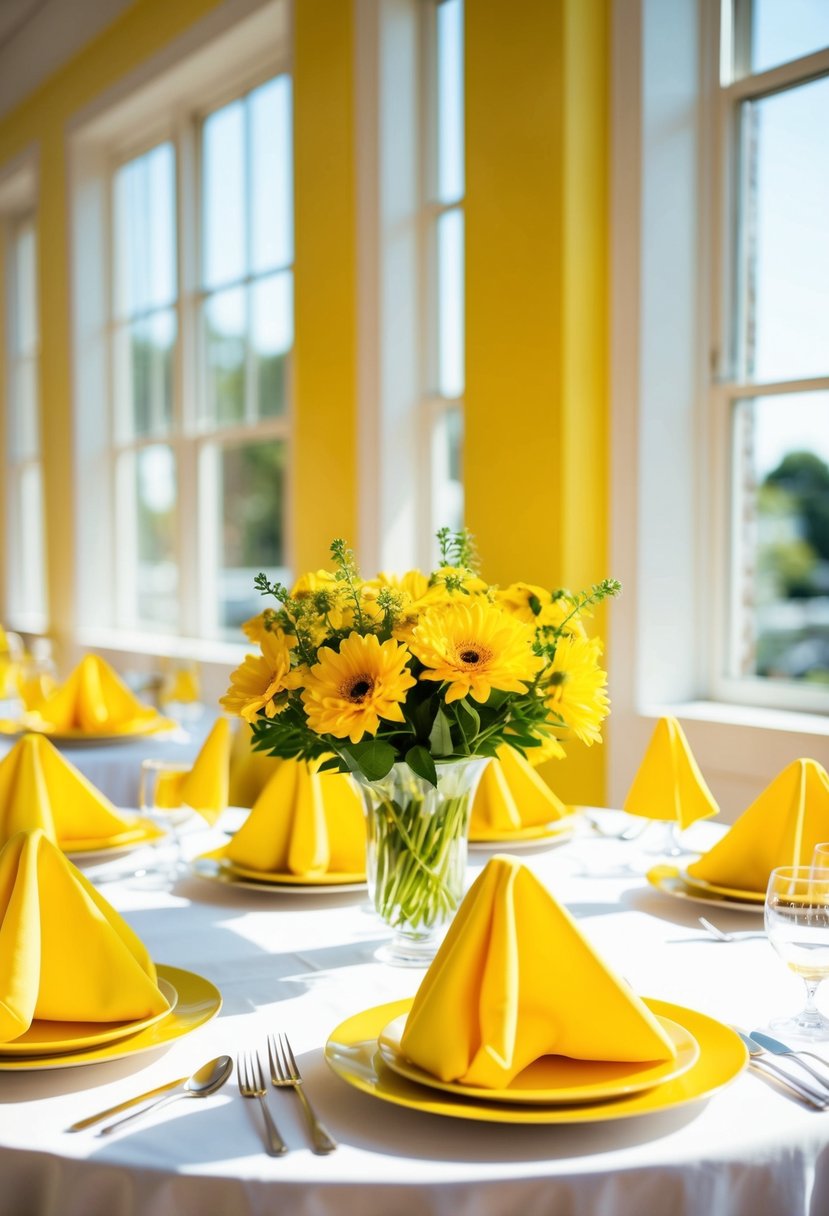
[
  {"x": 210, "y": 1078},
  {"x": 763, "y": 1049}
]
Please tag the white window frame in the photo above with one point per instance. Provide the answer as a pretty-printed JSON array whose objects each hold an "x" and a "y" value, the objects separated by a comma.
[
  {"x": 18, "y": 207},
  {"x": 664, "y": 82},
  {"x": 727, "y": 385},
  {"x": 167, "y": 99}
]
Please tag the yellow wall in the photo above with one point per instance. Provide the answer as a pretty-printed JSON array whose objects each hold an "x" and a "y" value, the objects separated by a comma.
[{"x": 536, "y": 447}]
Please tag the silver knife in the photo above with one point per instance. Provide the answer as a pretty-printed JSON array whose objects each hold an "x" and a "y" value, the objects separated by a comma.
[
  {"x": 116, "y": 1110},
  {"x": 780, "y": 1049},
  {"x": 819, "y": 1100}
]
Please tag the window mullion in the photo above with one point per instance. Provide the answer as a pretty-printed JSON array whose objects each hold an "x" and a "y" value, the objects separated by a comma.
[{"x": 185, "y": 403}]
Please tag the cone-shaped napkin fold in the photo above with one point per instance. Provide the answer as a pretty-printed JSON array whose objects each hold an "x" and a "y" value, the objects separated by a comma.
[
  {"x": 304, "y": 823},
  {"x": 514, "y": 980},
  {"x": 669, "y": 784},
  {"x": 512, "y": 796},
  {"x": 39, "y": 788},
  {"x": 250, "y": 771},
  {"x": 96, "y": 700},
  {"x": 65, "y": 954},
  {"x": 205, "y": 786},
  {"x": 780, "y": 828}
]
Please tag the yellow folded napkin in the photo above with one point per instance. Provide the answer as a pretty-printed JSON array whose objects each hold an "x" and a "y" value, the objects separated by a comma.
[
  {"x": 94, "y": 699},
  {"x": 304, "y": 823},
  {"x": 780, "y": 828},
  {"x": 250, "y": 771},
  {"x": 39, "y": 788},
  {"x": 65, "y": 954},
  {"x": 669, "y": 784},
  {"x": 512, "y": 796},
  {"x": 205, "y": 787},
  {"x": 515, "y": 980}
]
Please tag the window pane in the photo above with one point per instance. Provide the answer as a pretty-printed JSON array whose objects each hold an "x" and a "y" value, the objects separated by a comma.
[
  {"x": 272, "y": 223},
  {"x": 33, "y": 558},
  {"x": 782, "y": 30},
  {"x": 224, "y": 338},
  {"x": 450, "y": 101},
  {"x": 155, "y": 541},
  {"x": 24, "y": 328},
  {"x": 252, "y": 480},
  {"x": 23, "y": 414},
  {"x": 145, "y": 371},
  {"x": 447, "y": 477},
  {"x": 783, "y": 526},
  {"x": 786, "y": 235},
  {"x": 223, "y": 185},
  {"x": 272, "y": 335},
  {"x": 145, "y": 243},
  {"x": 450, "y": 304}
]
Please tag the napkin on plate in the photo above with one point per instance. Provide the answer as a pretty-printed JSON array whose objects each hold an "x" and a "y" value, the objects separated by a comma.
[
  {"x": 65, "y": 954},
  {"x": 304, "y": 823},
  {"x": 94, "y": 700},
  {"x": 512, "y": 796},
  {"x": 39, "y": 788},
  {"x": 250, "y": 771},
  {"x": 669, "y": 784},
  {"x": 205, "y": 786},
  {"x": 780, "y": 828},
  {"x": 515, "y": 979}
]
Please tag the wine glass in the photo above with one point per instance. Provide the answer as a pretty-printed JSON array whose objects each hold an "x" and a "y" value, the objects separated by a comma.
[
  {"x": 820, "y": 857},
  {"x": 160, "y": 800},
  {"x": 797, "y": 925}
]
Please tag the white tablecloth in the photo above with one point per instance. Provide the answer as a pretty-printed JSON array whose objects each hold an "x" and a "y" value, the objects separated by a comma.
[{"x": 302, "y": 964}]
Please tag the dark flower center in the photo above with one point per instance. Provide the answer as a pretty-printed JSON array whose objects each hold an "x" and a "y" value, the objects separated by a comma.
[
  {"x": 470, "y": 656},
  {"x": 359, "y": 690}
]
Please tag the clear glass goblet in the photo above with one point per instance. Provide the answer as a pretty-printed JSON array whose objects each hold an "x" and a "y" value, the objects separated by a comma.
[
  {"x": 160, "y": 800},
  {"x": 820, "y": 857},
  {"x": 797, "y": 925}
]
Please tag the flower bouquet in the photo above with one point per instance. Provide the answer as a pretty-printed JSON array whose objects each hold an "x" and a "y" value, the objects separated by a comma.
[{"x": 409, "y": 682}]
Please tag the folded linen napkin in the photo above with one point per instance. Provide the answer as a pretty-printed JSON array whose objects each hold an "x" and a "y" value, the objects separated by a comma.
[
  {"x": 304, "y": 823},
  {"x": 65, "y": 953},
  {"x": 512, "y": 796},
  {"x": 205, "y": 786},
  {"x": 250, "y": 771},
  {"x": 93, "y": 699},
  {"x": 669, "y": 784},
  {"x": 780, "y": 828},
  {"x": 514, "y": 980},
  {"x": 39, "y": 788}
]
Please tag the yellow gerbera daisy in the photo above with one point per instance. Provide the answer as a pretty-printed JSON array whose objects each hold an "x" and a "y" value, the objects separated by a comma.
[
  {"x": 475, "y": 647},
  {"x": 537, "y": 606},
  {"x": 576, "y": 687},
  {"x": 347, "y": 693},
  {"x": 261, "y": 678}
]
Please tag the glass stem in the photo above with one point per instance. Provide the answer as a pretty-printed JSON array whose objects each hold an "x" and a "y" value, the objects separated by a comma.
[{"x": 810, "y": 1013}]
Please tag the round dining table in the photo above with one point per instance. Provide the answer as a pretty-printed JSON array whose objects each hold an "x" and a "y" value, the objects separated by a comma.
[{"x": 302, "y": 961}]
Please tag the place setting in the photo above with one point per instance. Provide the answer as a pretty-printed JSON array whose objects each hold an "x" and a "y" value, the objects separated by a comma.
[
  {"x": 514, "y": 808},
  {"x": 599, "y": 1052}
]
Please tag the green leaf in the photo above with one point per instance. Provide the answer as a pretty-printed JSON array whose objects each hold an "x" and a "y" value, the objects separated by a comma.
[
  {"x": 333, "y": 762},
  {"x": 373, "y": 759},
  {"x": 420, "y": 761},
  {"x": 440, "y": 738},
  {"x": 473, "y": 726}
]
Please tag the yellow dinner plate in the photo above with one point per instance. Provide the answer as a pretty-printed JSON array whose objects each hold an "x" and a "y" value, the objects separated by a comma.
[
  {"x": 136, "y": 729},
  {"x": 556, "y": 1079},
  {"x": 270, "y": 878},
  {"x": 700, "y": 884},
  {"x": 142, "y": 831},
  {"x": 352, "y": 1053},
  {"x": 670, "y": 881},
  {"x": 50, "y": 1038},
  {"x": 198, "y": 1002},
  {"x": 539, "y": 833}
]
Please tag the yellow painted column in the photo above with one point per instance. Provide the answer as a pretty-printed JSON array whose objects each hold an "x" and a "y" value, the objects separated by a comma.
[
  {"x": 324, "y": 499},
  {"x": 536, "y": 441}
]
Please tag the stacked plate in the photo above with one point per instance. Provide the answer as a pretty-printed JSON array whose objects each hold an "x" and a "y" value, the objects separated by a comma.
[
  {"x": 222, "y": 870},
  {"x": 681, "y": 885},
  {"x": 555, "y": 832},
  {"x": 365, "y": 1052},
  {"x": 193, "y": 1001}
]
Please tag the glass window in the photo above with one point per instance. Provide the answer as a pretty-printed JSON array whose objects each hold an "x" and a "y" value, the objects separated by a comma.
[
  {"x": 26, "y": 557},
  {"x": 778, "y": 396}
]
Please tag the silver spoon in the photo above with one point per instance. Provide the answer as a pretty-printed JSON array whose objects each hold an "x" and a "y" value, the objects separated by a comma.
[
  {"x": 803, "y": 1090},
  {"x": 205, "y": 1081}
]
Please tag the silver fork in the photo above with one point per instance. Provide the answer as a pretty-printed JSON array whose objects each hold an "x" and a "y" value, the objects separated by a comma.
[
  {"x": 284, "y": 1071},
  {"x": 721, "y": 936},
  {"x": 252, "y": 1085}
]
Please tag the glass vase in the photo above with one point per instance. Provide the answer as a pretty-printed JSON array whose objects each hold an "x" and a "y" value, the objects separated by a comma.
[{"x": 416, "y": 853}]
